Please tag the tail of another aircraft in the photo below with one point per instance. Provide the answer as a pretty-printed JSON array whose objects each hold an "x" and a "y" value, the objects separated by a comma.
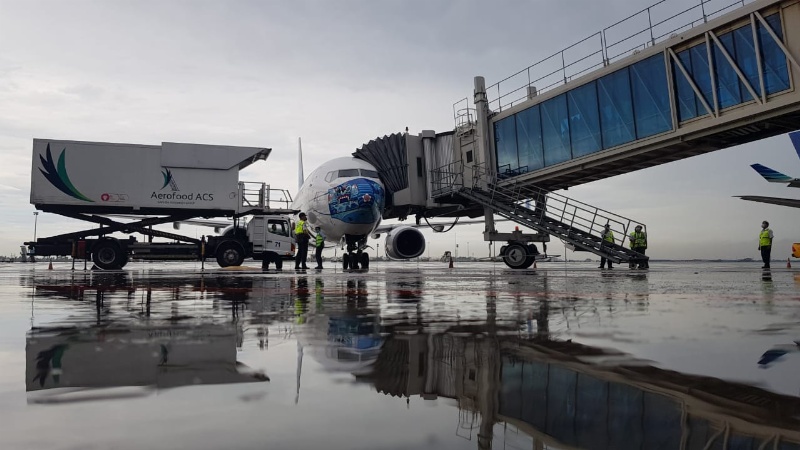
[
  {"x": 795, "y": 137},
  {"x": 300, "y": 177},
  {"x": 771, "y": 175}
]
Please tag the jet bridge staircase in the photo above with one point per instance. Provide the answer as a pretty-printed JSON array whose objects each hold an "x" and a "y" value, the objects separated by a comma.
[{"x": 577, "y": 224}]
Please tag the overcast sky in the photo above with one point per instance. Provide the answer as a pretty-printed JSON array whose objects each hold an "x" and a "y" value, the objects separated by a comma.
[{"x": 337, "y": 74}]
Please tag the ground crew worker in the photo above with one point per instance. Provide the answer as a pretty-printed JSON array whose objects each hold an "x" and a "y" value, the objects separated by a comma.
[
  {"x": 765, "y": 243},
  {"x": 639, "y": 245},
  {"x": 302, "y": 235},
  {"x": 608, "y": 236},
  {"x": 319, "y": 244}
]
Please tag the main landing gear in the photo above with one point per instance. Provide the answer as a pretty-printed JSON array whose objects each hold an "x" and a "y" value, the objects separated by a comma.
[{"x": 355, "y": 260}]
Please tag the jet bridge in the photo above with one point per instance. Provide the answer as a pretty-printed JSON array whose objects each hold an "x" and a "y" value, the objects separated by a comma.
[{"x": 680, "y": 83}]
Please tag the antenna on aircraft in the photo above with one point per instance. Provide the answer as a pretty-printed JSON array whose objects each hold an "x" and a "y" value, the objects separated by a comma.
[{"x": 300, "y": 177}]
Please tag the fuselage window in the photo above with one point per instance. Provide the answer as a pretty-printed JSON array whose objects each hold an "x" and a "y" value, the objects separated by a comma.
[{"x": 369, "y": 173}]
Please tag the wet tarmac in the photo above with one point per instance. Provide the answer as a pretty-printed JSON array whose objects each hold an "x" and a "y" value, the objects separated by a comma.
[{"x": 406, "y": 355}]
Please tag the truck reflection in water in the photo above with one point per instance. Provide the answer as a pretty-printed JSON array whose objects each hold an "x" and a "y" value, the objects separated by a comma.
[{"x": 150, "y": 340}]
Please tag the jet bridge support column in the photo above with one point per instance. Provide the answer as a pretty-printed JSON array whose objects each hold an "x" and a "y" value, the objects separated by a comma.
[{"x": 486, "y": 151}]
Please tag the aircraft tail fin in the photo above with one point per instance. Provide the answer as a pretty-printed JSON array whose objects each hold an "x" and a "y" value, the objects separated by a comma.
[
  {"x": 771, "y": 175},
  {"x": 795, "y": 137},
  {"x": 300, "y": 177}
]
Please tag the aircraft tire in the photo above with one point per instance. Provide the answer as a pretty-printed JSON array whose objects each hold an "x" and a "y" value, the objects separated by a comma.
[
  {"x": 346, "y": 261},
  {"x": 365, "y": 260}
]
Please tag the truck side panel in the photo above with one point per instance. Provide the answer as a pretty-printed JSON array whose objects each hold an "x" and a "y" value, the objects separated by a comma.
[{"x": 95, "y": 175}]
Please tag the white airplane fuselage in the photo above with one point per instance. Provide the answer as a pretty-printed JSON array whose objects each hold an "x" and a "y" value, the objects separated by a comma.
[{"x": 344, "y": 197}]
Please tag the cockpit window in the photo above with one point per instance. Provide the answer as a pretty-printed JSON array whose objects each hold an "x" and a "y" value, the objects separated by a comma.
[
  {"x": 369, "y": 173},
  {"x": 348, "y": 173},
  {"x": 330, "y": 176}
]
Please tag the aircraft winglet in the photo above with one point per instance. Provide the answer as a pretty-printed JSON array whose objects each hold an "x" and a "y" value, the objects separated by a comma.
[{"x": 771, "y": 175}]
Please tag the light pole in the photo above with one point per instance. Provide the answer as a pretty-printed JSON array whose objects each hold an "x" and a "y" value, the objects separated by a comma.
[
  {"x": 377, "y": 247},
  {"x": 35, "y": 222},
  {"x": 456, "y": 251},
  {"x": 468, "y": 255}
]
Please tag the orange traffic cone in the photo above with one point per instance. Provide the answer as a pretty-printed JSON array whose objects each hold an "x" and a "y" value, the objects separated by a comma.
[
  {"x": 788, "y": 264},
  {"x": 50, "y": 267},
  {"x": 451, "y": 262}
]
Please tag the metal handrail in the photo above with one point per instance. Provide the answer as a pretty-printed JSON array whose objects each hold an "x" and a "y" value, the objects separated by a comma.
[
  {"x": 263, "y": 196},
  {"x": 561, "y": 68},
  {"x": 550, "y": 205}
]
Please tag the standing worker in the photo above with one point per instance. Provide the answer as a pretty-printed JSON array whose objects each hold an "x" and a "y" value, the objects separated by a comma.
[
  {"x": 319, "y": 244},
  {"x": 765, "y": 243},
  {"x": 302, "y": 235},
  {"x": 639, "y": 245},
  {"x": 607, "y": 236}
]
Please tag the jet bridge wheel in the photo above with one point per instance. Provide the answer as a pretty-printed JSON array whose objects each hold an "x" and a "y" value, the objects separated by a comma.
[
  {"x": 516, "y": 256},
  {"x": 107, "y": 254},
  {"x": 230, "y": 253}
]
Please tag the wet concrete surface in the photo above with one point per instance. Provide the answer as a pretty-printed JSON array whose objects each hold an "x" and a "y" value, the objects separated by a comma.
[{"x": 406, "y": 355}]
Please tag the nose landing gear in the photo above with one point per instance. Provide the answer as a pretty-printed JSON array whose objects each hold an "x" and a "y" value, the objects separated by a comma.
[{"x": 355, "y": 260}]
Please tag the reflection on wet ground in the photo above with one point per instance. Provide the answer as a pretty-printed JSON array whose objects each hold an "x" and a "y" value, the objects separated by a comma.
[{"x": 403, "y": 356}]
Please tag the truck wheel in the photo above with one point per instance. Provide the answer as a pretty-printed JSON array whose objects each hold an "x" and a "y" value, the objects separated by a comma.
[
  {"x": 230, "y": 253},
  {"x": 265, "y": 263},
  {"x": 278, "y": 263},
  {"x": 516, "y": 256},
  {"x": 108, "y": 255}
]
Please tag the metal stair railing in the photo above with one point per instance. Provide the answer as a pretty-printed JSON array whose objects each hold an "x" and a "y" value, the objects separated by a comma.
[{"x": 575, "y": 222}]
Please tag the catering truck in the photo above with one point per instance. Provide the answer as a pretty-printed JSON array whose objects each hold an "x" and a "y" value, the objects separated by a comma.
[{"x": 127, "y": 189}]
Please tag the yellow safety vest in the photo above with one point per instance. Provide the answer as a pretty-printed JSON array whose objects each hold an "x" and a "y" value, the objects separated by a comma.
[
  {"x": 298, "y": 229},
  {"x": 638, "y": 239},
  {"x": 609, "y": 237},
  {"x": 319, "y": 240},
  {"x": 764, "y": 239}
]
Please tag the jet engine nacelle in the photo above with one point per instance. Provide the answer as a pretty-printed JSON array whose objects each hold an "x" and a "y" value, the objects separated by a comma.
[{"x": 404, "y": 243}]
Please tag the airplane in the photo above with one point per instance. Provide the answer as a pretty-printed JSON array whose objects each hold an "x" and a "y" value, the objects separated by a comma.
[
  {"x": 773, "y": 176},
  {"x": 346, "y": 198}
]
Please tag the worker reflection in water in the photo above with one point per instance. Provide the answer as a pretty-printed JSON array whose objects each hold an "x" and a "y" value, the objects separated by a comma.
[
  {"x": 765, "y": 243},
  {"x": 608, "y": 236},
  {"x": 319, "y": 244},
  {"x": 302, "y": 235},
  {"x": 638, "y": 240}
]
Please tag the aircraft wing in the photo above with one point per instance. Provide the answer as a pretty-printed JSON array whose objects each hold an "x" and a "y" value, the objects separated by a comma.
[{"x": 790, "y": 202}]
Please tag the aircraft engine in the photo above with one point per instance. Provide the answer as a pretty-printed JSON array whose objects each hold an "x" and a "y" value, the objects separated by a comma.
[{"x": 404, "y": 243}]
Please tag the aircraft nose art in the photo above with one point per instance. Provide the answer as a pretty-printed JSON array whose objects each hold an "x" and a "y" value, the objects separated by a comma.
[{"x": 357, "y": 201}]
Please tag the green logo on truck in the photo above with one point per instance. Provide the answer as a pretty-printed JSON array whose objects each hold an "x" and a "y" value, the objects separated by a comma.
[
  {"x": 57, "y": 175},
  {"x": 169, "y": 180}
]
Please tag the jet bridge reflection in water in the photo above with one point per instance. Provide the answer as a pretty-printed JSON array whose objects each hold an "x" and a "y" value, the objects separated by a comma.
[{"x": 540, "y": 393}]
